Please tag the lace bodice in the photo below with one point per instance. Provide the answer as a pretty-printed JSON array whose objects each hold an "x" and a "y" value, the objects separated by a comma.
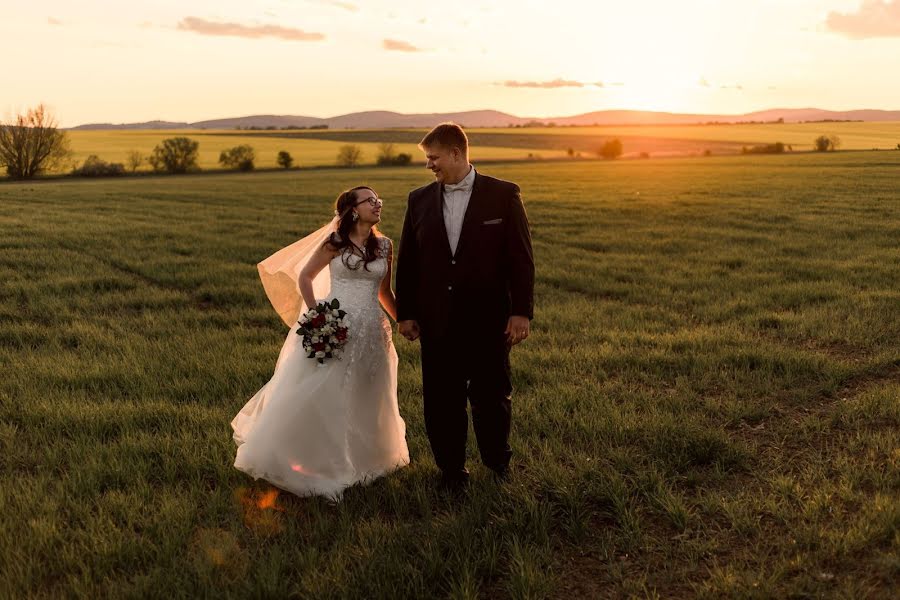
[
  {"x": 357, "y": 285},
  {"x": 357, "y": 291}
]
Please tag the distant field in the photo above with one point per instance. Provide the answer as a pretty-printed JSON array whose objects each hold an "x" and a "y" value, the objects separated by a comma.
[
  {"x": 659, "y": 141},
  {"x": 114, "y": 146},
  {"x": 312, "y": 148},
  {"x": 708, "y": 407}
]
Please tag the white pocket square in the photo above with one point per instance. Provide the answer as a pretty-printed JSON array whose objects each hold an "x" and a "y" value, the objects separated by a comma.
[{"x": 493, "y": 222}]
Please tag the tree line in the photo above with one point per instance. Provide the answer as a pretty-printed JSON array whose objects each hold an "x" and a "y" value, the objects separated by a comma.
[{"x": 32, "y": 144}]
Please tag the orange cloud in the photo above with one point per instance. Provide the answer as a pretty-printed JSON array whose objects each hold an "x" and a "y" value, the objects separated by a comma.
[
  {"x": 399, "y": 46},
  {"x": 874, "y": 18},
  {"x": 205, "y": 27},
  {"x": 556, "y": 83}
]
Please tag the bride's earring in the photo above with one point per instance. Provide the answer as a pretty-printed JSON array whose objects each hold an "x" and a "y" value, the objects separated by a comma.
[{"x": 355, "y": 217}]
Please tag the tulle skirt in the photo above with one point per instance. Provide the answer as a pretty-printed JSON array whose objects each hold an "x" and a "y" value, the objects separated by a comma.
[{"x": 316, "y": 430}]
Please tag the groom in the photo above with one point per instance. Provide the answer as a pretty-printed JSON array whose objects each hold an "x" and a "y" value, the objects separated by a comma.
[{"x": 465, "y": 289}]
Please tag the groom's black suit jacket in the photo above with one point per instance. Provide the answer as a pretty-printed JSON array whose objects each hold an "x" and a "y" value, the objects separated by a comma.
[{"x": 490, "y": 277}]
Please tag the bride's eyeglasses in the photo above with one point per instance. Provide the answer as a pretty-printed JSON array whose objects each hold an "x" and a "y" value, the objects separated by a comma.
[{"x": 373, "y": 201}]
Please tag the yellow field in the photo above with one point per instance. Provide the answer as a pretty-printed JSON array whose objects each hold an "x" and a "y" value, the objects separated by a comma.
[
  {"x": 854, "y": 136},
  {"x": 489, "y": 144},
  {"x": 114, "y": 146}
]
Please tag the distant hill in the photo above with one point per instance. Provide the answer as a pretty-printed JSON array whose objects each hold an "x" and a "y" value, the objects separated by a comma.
[
  {"x": 146, "y": 125},
  {"x": 493, "y": 118}
]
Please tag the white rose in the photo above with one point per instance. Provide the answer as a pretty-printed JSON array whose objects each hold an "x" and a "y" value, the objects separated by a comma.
[
  {"x": 320, "y": 354},
  {"x": 311, "y": 314},
  {"x": 328, "y": 318},
  {"x": 327, "y": 348},
  {"x": 336, "y": 313}
]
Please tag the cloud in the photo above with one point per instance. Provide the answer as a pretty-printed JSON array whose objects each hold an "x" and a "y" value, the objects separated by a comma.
[
  {"x": 400, "y": 46},
  {"x": 205, "y": 27},
  {"x": 345, "y": 5},
  {"x": 546, "y": 85},
  {"x": 874, "y": 18},
  {"x": 53, "y": 21}
]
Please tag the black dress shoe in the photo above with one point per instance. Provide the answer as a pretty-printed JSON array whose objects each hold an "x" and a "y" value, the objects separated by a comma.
[
  {"x": 456, "y": 480},
  {"x": 501, "y": 475}
]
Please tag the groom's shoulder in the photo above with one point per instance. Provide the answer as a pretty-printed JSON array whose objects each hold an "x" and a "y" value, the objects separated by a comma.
[
  {"x": 425, "y": 190},
  {"x": 500, "y": 185}
]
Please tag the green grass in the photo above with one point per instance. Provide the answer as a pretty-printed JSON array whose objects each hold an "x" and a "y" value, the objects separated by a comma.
[{"x": 709, "y": 405}]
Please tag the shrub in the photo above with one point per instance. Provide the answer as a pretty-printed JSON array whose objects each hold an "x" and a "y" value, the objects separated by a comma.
[
  {"x": 93, "y": 166},
  {"x": 240, "y": 157},
  {"x": 388, "y": 157},
  {"x": 825, "y": 143},
  {"x": 175, "y": 155},
  {"x": 285, "y": 160},
  {"x": 776, "y": 148},
  {"x": 611, "y": 149},
  {"x": 349, "y": 155},
  {"x": 386, "y": 154}
]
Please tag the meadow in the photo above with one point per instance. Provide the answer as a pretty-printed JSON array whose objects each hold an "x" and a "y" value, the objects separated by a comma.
[{"x": 708, "y": 406}]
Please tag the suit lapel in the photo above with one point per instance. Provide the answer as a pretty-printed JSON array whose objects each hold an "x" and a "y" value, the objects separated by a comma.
[
  {"x": 470, "y": 219},
  {"x": 437, "y": 212}
]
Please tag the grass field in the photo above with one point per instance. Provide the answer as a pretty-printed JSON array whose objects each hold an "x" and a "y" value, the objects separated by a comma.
[{"x": 709, "y": 405}]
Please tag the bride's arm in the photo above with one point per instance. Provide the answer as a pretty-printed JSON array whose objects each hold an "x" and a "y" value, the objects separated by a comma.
[
  {"x": 385, "y": 293},
  {"x": 318, "y": 261}
]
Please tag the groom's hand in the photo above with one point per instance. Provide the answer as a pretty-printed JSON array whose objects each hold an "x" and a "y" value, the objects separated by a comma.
[
  {"x": 409, "y": 329},
  {"x": 517, "y": 329}
]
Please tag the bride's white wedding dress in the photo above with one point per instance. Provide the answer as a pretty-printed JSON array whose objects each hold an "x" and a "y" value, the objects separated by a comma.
[{"x": 316, "y": 430}]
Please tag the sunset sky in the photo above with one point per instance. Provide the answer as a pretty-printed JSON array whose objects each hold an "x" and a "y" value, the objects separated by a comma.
[{"x": 106, "y": 61}]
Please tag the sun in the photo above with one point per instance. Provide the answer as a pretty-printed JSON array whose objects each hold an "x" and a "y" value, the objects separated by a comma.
[{"x": 648, "y": 64}]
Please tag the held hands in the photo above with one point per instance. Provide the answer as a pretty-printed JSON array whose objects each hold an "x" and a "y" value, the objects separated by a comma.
[
  {"x": 409, "y": 329},
  {"x": 517, "y": 329}
]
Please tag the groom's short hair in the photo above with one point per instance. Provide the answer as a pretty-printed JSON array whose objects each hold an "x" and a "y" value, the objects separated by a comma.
[{"x": 448, "y": 135}]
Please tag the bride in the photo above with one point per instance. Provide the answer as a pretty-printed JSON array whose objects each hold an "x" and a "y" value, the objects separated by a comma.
[{"x": 318, "y": 429}]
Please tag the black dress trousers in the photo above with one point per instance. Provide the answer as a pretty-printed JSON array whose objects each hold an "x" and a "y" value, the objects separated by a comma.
[{"x": 467, "y": 365}]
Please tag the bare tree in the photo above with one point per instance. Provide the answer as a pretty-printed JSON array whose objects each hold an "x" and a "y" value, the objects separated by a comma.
[
  {"x": 386, "y": 154},
  {"x": 134, "y": 160},
  {"x": 32, "y": 144},
  {"x": 349, "y": 155}
]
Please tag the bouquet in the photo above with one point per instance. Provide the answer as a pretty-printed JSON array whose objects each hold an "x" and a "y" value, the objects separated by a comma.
[{"x": 324, "y": 330}]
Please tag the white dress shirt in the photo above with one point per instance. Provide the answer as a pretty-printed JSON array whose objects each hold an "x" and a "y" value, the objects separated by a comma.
[{"x": 456, "y": 200}]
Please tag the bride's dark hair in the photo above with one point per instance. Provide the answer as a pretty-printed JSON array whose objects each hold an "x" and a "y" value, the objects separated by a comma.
[{"x": 340, "y": 239}]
